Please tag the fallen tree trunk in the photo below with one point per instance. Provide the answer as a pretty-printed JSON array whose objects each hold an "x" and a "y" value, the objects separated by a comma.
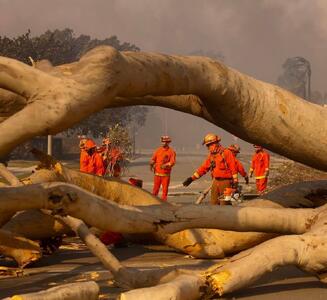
[
  {"x": 250, "y": 109},
  {"x": 201, "y": 243},
  {"x": 310, "y": 223},
  {"x": 74, "y": 201},
  {"x": 82, "y": 290}
]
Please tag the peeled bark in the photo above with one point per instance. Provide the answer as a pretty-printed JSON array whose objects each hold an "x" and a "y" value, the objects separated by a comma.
[{"x": 250, "y": 109}]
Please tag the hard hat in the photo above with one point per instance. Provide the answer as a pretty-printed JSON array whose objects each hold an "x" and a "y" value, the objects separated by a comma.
[
  {"x": 234, "y": 148},
  {"x": 90, "y": 144},
  {"x": 211, "y": 138},
  {"x": 165, "y": 138}
]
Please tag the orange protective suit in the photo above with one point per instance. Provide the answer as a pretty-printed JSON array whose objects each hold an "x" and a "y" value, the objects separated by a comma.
[
  {"x": 221, "y": 163},
  {"x": 163, "y": 159},
  {"x": 95, "y": 165},
  {"x": 260, "y": 167},
  {"x": 83, "y": 161}
]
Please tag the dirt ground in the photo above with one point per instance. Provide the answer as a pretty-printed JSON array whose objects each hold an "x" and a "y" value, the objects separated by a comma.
[{"x": 73, "y": 262}]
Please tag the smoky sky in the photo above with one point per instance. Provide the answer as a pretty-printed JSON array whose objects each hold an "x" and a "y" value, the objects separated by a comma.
[{"x": 254, "y": 36}]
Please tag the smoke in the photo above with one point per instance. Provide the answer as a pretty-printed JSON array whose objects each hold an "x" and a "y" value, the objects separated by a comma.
[{"x": 254, "y": 36}]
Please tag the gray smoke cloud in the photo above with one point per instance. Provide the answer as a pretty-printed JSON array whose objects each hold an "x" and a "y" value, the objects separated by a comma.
[{"x": 255, "y": 36}]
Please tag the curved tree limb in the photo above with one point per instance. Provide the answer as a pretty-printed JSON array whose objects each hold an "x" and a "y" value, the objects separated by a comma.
[
  {"x": 81, "y": 204},
  {"x": 250, "y": 109}
]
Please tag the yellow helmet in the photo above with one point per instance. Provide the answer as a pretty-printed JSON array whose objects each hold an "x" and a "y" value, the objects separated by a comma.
[
  {"x": 211, "y": 138},
  {"x": 235, "y": 148}
]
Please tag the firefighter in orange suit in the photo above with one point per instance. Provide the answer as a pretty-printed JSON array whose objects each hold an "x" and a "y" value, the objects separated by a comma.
[
  {"x": 112, "y": 158},
  {"x": 162, "y": 161},
  {"x": 95, "y": 163},
  {"x": 235, "y": 149},
  {"x": 221, "y": 163},
  {"x": 84, "y": 157},
  {"x": 260, "y": 167}
]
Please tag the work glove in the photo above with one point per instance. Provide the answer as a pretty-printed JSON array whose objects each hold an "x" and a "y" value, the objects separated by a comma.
[
  {"x": 267, "y": 173},
  {"x": 187, "y": 181},
  {"x": 151, "y": 168},
  {"x": 246, "y": 178},
  {"x": 251, "y": 173}
]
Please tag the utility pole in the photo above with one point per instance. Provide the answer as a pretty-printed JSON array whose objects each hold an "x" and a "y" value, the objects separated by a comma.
[{"x": 50, "y": 139}]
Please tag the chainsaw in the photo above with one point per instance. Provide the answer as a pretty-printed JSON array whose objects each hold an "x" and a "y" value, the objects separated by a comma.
[{"x": 233, "y": 195}]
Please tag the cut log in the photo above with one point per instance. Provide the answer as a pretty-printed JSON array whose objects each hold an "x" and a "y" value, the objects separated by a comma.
[{"x": 82, "y": 291}]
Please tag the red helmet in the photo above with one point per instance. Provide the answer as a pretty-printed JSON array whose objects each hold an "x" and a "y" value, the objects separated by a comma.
[
  {"x": 90, "y": 145},
  {"x": 165, "y": 139},
  {"x": 211, "y": 138},
  {"x": 234, "y": 148}
]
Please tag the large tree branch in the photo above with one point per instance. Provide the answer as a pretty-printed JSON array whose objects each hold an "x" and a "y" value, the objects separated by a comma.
[
  {"x": 252, "y": 110},
  {"x": 81, "y": 204}
]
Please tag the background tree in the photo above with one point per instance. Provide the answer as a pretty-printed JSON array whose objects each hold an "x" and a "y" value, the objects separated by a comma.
[
  {"x": 62, "y": 46},
  {"x": 296, "y": 77}
]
